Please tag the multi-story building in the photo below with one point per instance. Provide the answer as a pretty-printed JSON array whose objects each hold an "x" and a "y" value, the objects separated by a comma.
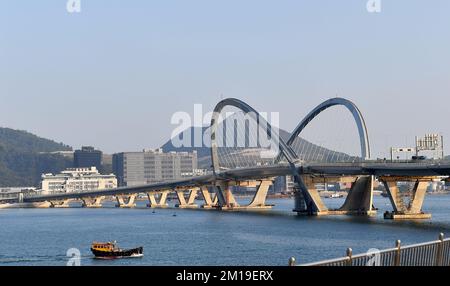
[
  {"x": 78, "y": 179},
  {"x": 153, "y": 166},
  {"x": 284, "y": 184},
  {"x": 14, "y": 192},
  {"x": 87, "y": 157}
]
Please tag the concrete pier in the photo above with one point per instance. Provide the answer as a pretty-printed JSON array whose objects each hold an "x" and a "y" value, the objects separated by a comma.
[
  {"x": 126, "y": 201},
  {"x": 157, "y": 200},
  {"x": 190, "y": 203},
  {"x": 92, "y": 202},
  {"x": 412, "y": 210}
]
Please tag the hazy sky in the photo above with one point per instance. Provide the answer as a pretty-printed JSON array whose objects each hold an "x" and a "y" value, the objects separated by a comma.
[{"x": 113, "y": 75}]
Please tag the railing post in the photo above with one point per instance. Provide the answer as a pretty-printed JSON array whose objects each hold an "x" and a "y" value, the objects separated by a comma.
[
  {"x": 292, "y": 261},
  {"x": 349, "y": 256},
  {"x": 398, "y": 253},
  {"x": 440, "y": 249}
]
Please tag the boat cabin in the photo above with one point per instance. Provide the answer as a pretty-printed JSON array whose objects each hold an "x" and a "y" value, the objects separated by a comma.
[{"x": 104, "y": 246}]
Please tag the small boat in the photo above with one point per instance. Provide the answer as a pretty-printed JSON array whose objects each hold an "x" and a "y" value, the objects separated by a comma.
[
  {"x": 110, "y": 250},
  {"x": 335, "y": 196}
]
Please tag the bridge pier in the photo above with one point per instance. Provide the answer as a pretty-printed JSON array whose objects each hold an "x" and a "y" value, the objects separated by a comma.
[
  {"x": 299, "y": 202},
  {"x": 190, "y": 204},
  {"x": 126, "y": 201},
  {"x": 403, "y": 210},
  {"x": 92, "y": 202},
  {"x": 259, "y": 200},
  {"x": 210, "y": 201},
  {"x": 160, "y": 203},
  {"x": 225, "y": 197},
  {"x": 229, "y": 201},
  {"x": 360, "y": 197},
  {"x": 359, "y": 200},
  {"x": 60, "y": 204},
  {"x": 307, "y": 198}
]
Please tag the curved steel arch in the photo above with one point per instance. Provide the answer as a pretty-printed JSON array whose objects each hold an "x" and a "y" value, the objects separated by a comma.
[
  {"x": 284, "y": 148},
  {"x": 357, "y": 115}
]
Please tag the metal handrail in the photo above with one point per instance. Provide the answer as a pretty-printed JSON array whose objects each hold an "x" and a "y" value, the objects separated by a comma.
[{"x": 433, "y": 253}]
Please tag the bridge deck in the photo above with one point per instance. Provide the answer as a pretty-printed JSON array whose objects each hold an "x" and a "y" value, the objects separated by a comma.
[{"x": 262, "y": 172}]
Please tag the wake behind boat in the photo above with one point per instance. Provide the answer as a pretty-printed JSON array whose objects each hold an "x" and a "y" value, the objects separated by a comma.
[{"x": 110, "y": 250}]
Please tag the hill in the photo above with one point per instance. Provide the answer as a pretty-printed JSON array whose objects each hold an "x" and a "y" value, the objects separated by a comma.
[{"x": 25, "y": 156}]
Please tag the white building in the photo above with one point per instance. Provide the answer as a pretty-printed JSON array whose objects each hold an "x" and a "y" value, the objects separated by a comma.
[
  {"x": 77, "y": 180},
  {"x": 13, "y": 192}
]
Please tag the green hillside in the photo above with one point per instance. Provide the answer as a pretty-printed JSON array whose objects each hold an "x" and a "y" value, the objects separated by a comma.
[{"x": 23, "y": 158}]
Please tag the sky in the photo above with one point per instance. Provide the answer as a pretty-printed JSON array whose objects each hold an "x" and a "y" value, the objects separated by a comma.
[{"x": 113, "y": 75}]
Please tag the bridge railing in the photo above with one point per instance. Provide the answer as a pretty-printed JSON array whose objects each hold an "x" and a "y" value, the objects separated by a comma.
[
  {"x": 37, "y": 194},
  {"x": 434, "y": 253}
]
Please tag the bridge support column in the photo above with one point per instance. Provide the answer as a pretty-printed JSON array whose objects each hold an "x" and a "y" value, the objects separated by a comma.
[
  {"x": 307, "y": 198},
  {"x": 299, "y": 202},
  {"x": 154, "y": 203},
  {"x": 230, "y": 201},
  {"x": 259, "y": 200},
  {"x": 220, "y": 196},
  {"x": 360, "y": 197},
  {"x": 412, "y": 210},
  {"x": 225, "y": 198},
  {"x": 92, "y": 202},
  {"x": 210, "y": 202},
  {"x": 191, "y": 200},
  {"x": 128, "y": 202},
  {"x": 59, "y": 204}
]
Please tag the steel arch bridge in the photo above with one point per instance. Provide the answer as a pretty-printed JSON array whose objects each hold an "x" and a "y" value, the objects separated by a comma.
[
  {"x": 307, "y": 198},
  {"x": 286, "y": 150},
  {"x": 216, "y": 188}
]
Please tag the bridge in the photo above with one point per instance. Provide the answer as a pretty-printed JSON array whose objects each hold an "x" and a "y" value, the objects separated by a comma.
[{"x": 247, "y": 162}]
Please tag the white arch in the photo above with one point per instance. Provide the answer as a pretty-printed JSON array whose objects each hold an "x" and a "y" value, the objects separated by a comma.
[
  {"x": 357, "y": 115},
  {"x": 284, "y": 148}
]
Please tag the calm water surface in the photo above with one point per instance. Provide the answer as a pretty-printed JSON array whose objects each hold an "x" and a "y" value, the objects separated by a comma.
[{"x": 199, "y": 237}]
